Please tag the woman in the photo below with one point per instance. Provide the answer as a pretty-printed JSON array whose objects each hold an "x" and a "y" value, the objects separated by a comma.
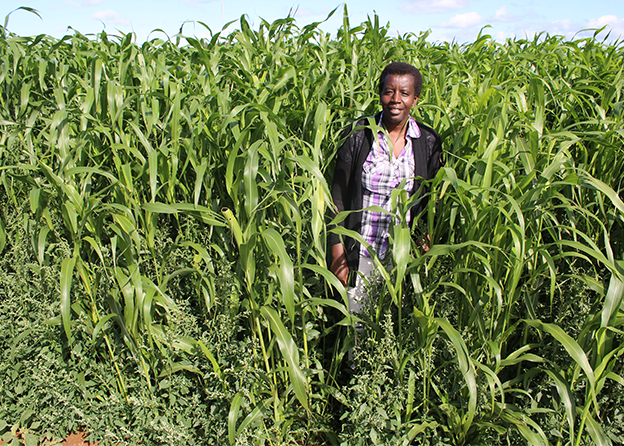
[{"x": 374, "y": 160}]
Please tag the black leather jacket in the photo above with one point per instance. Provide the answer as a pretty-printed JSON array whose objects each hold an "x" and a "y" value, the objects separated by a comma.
[{"x": 347, "y": 181}]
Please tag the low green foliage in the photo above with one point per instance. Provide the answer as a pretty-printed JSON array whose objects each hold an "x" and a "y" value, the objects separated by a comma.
[{"x": 163, "y": 232}]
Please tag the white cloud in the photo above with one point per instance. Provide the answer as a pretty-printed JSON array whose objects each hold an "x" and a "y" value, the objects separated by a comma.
[
  {"x": 573, "y": 30},
  {"x": 502, "y": 15},
  {"x": 463, "y": 20},
  {"x": 565, "y": 25},
  {"x": 111, "y": 16},
  {"x": 614, "y": 26},
  {"x": 608, "y": 20},
  {"x": 433, "y": 6},
  {"x": 502, "y": 35}
]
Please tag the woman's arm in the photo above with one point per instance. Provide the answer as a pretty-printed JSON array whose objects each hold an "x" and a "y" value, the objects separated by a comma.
[
  {"x": 340, "y": 197},
  {"x": 339, "y": 263}
]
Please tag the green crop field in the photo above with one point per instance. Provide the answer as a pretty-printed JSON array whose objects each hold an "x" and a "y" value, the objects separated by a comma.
[{"x": 163, "y": 226}]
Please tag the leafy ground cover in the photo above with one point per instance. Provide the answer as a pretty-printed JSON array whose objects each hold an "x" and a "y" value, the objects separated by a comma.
[{"x": 163, "y": 276}]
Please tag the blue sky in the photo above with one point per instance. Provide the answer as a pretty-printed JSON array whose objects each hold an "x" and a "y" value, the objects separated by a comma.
[{"x": 458, "y": 20}]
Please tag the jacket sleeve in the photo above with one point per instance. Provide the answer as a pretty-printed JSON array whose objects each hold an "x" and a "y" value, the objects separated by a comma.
[
  {"x": 340, "y": 183},
  {"x": 434, "y": 163},
  {"x": 435, "y": 156},
  {"x": 428, "y": 159}
]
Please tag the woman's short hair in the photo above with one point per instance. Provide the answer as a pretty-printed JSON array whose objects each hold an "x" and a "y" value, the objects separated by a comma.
[{"x": 401, "y": 68}]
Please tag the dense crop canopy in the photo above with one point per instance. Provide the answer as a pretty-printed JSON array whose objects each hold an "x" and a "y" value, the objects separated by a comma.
[{"x": 188, "y": 180}]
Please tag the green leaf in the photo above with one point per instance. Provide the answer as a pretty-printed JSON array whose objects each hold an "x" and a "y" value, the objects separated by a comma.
[
  {"x": 312, "y": 168},
  {"x": 613, "y": 301},
  {"x": 573, "y": 349},
  {"x": 233, "y": 416},
  {"x": 160, "y": 208},
  {"x": 606, "y": 190},
  {"x": 153, "y": 172},
  {"x": 417, "y": 429},
  {"x": 67, "y": 272},
  {"x": 3, "y": 237},
  {"x": 23, "y": 8},
  {"x": 275, "y": 242},
  {"x": 101, "y": 324},
  {"x": 401, "y": 252},
  {"x": 331, "y": 279},
  {"x": 255, "y": 415},
  {"x": 211, "y": 358},
  {"x": 206, "y": 215},
  {"x": 566, "y": 398},
  {"x": 31, "y": 439},
  {"x": 596, "y": 432},
  {"x": 18, "y": 342},
  {"x": 234, "y": 226},
  {"x": 290, "y": 353},
  {"x": 41, "y": 244},
  {"x": 250, "y": 173},
  {"x": 199, "y": 178},
  {"x": 318, "y": 302},
  {"x": 523, "y": 424},
  {"x": 467, "y": 369}
]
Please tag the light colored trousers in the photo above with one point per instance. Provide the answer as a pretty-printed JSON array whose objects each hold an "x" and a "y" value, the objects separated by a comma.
[{"x": 357, "y": 294}]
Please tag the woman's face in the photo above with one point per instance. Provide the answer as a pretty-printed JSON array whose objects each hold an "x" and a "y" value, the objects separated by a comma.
[{"x": 397, "y": 99}]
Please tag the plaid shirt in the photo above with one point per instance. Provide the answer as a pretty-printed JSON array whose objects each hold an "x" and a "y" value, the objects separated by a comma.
[{"x": 382, "y": 173}]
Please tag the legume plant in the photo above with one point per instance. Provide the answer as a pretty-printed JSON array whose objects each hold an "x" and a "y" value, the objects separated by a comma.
[{"x": 164, "y": 211}]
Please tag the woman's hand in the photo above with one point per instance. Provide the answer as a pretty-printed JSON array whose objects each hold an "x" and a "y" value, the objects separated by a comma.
[
  {"x": 339, "y": 263},
  {"x": 424, "y": 244}
]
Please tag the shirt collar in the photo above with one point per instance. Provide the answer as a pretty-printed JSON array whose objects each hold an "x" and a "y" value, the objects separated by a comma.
[{"x": 413, "y": 131}]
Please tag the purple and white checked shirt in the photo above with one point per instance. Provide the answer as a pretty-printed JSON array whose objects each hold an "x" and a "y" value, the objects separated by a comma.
[{"x": 382, "y": 173}]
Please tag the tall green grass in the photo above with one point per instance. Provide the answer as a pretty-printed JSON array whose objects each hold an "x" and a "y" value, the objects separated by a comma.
[{"x": 218, "y": 151}]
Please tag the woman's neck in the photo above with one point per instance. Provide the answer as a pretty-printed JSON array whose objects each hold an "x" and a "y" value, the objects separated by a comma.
[
  {"x": 396, "y": 131},
  {"x": 396, "y": 134},
  {"x": 396, "y": 128}
]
